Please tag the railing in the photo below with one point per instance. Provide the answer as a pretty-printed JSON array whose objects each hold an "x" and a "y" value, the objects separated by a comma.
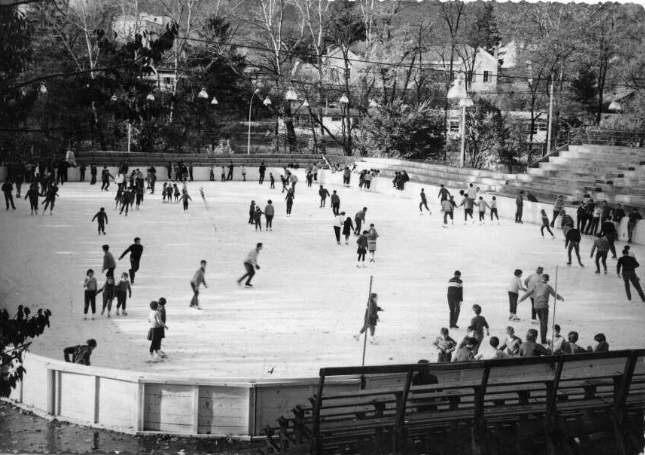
[
  {"x": 546, "y": 157},
  {"x": 602, "y": 136}
]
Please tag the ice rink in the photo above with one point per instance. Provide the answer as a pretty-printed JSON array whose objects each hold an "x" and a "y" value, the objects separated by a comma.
[{"x": 309, "y": 298}]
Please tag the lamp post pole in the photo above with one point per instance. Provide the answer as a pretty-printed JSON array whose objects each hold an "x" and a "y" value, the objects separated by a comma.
[
  {"x": 248, "y": 142},
  {"x": 462, "y": 154}
]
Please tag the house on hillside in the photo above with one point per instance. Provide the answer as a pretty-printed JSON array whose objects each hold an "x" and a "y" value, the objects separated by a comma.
[{"x": 480, "y": 66}]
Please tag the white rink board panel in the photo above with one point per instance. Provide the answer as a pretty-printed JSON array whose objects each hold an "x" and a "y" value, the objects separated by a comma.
[
  {"x": 223, "y": 411},
  {"x": 168, "y": 408},
  {"x": 77, "y": 396},
  {"x": 118, "y": 403}
]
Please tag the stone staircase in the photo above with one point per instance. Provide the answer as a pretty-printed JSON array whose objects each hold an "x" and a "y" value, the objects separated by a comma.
[{"x": 614, "y": 174}]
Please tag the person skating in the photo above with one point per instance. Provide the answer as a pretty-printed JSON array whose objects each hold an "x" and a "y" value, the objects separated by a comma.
[
  {"x": 566, "y": 222},
  {"x": 262, "y": 170},
  {"x": 185, "y": 197},
  {"x": 455, "y": 298},
  {"x": 123, "y": 292},
  {"x": 348, "y": 228},
  {"x": 541, "y": 292},
  {"x": 32, "y": 195},
  {"x": 372, "y": 235},
  {"x": 629, "y": 264},
  {"x": 101, "y": 219},
  {"x": 229, "y": 176},
  {"x": 619, "y": 213},
  {"x": 176, "y": 192},
  {"x": 243, "y": 170},
  {"x": 135, "y": 250},
  {"x": 493, "y": 209},
  {"x": 251, "y": 265},
  {"x": 161, "y": 308},
  {"x": 223, "y": 174},
  {"x": 323, "y": 193},
  {"x": 468, "y": 208},
  {"x": 581, "y": 215},
  {"x": 482, "y": 206},
  {"x": 595, "y": 220},
  {"x": 359, "y": 219},
  {"x": 271, "y": 181},
  {"x": 423, "y": 203},
  {"x": 633, "y": 218},
  {"x": 252, "y": 212},
  {"x": 90, "y": 287},
  {"x": 269, "y": 213},
  {"x": 447, "y": 208},
  {"x": 601, "y": 245},
  {"x": 105, "y": 178},
  {"x": 478, "y": 324},
  {"x": 257, "y": 218},
  {"x": 362, "y": 249},
  {"x": 545, "y": 224},
  {"x": 513, "y": 293},
  {"x": 529, "y": 282},
  {"x": 81, "y": 353},
  {"x": 519, "y": 207},
  {"x": 154, "y": 331},
  {"x": 289, "y": 198},
  {"x": 338, "y": 225},
  {"x": 198, "y": 278},
  {"x": 50, "y": 198},
  {"x": 93, "y": 174},
  {"x": 572, "y": 242},
  {"x": 109, "y": 292},
  {"x": 7, "y": 189},
  {"x": 109, "y": 264},
  {"x": 445, "y": 345},
  {"x": 558, "y": 205},
  {"x": 370, "y": 319},
  {"x": 608, "y": 230},
  {"x": 443, "y": 194},
  {"x": 335, "y": 203}
]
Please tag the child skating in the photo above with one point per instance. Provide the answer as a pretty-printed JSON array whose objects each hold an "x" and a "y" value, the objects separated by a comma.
[
  {"x": 257, "y": 218},
  {"x": 109, "y": 292},
  {"x": 493, "y": 210},
  {"x": 123, "y": 292},
  {"x": 90, "y": 287},
  {"x": 371, "y": 318},
  {"x": 184, "y": 199},
  {"x": 102, "y": 219},
  {"x": 445, "y": 345},
  {"x": 155, "y": 331},
  {"x": 545, "y": 224},
  {"x": 32, "y": 194},
  {"x": 362, "y": 249}
]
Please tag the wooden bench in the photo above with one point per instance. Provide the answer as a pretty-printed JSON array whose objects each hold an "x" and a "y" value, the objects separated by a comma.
[{"x": 474, "y": 396}]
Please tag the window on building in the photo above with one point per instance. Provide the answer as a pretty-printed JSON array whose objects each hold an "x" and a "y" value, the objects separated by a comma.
[{"x": 486, "y": 76}]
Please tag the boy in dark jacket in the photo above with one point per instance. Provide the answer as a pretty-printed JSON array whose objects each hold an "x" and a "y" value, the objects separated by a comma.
[
  {"x": 81, "y": 353},
  {"x": 102, "y": 219},
  {"x": 455, "y": 297}
]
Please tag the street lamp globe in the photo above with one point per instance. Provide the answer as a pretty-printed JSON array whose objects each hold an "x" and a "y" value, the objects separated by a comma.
[
  {"x": 615, "y": 106},
  {"x": 114, "y": 99},
  {"x": 43, "y": 89},
  {"x": 305, "y": 104},
  {"x": 466, "y": 102},
  {"x": 150, "y": 97},
  {"x": 267, "y": 102},
  {"x": 458, "y": 89},
  {"x": 203, "y": 93},
  {"x": 343, "y": 99},
  {"x": 214, "y": 101},
  {"x": 291, "y": 95}
]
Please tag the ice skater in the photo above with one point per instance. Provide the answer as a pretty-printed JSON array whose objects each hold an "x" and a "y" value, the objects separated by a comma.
[
  {"x": 493, "y": 209},
  {"x": 154, "y": 331},
  {"x": 32, "y": 194},
  {"x": 185, "y": 197},
  {"x": 601, "y": 245},
  {"x": 482, "y": 205},
  {"x": 101, "y": 219},
  {"x": 272, "y": 181},
  {"x": 135, "y": 250},
  {"x": 50, "y": 198},
  {"x": 123, "y": 292},
  {"x": 251, "y": 265},
  {"x": 572, "y": 242},
  {"x": 445, "y": 345},
  {"x": 423, "y": 203},
  {"x": 372, "y": 235},
  {"x": 323, "y": 193},
  {"x": 370, "y": 319},
  {"x": 348, "y": 227},
  {"x": 628, "y": 264},
  {"x": 447, "y": 207},
  {"x": 335, "y": 203},
  {"x": 542, "y": 291},
  {"x": 455, "y": 298},
  {"x": 257, "y": 218},
  {"x": 289, "y": 198},
  {"x": 545, "y": 224},
  {"x": 109, "y": 292},
  {"x": 198, "y": 278},
  {"x": 81, "y": 353},
  {"x": 109, "y": 263},
  {"x": 161, "y": 308},
  {"x": 7, "y": 189},
  {"x": 91, "y": 287},
  {"x": 251, "y": 212},
  {"x": 359, "y": 219},
  {"x": 269, "y": 213},
  {"x": 362, "y": 249},
  {"x": 513, "y": 294}
]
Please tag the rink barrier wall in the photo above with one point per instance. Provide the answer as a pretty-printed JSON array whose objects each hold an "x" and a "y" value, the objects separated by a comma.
[
  {"x": 505, "y": 205},
  {"x": 139, "y": 402}
]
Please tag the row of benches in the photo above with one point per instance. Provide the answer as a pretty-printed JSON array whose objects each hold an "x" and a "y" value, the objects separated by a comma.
[{"x": 401, "y": 405}]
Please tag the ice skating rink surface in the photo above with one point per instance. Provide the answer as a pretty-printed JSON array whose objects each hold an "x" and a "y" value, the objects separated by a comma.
[{"x": 309, "y": 298}]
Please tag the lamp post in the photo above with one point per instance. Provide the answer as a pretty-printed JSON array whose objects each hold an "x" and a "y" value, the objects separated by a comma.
[
  {"x": 458, "y": 92},
  {"x": 344, "y": 104},
  {"x": 248, "y": 142}
]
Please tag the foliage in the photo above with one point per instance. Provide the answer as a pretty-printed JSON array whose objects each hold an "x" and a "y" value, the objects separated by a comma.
[
  {"x": 485, "y": 133},
  {"x": 407, "y": 131},
  {"x": 16, "y": 336}
]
